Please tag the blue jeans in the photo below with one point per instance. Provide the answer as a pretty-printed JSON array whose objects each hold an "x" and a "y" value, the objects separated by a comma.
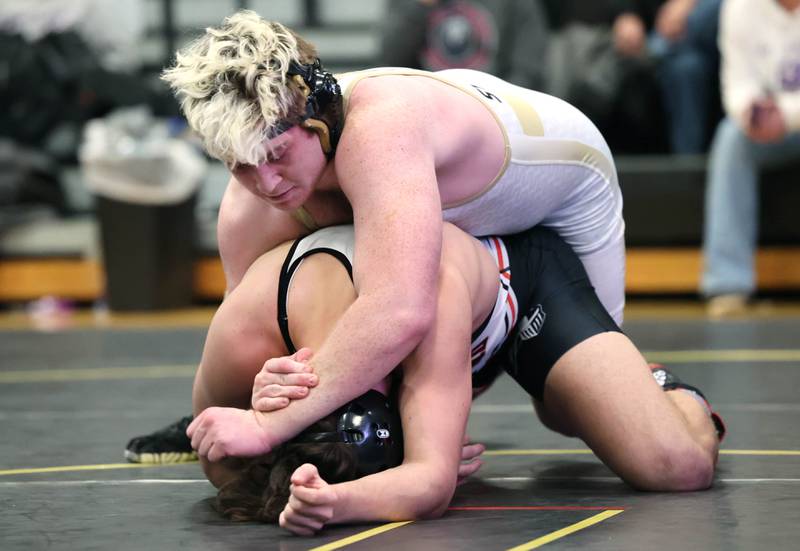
[
  {"x": 687, "y": 74},
  {"x": 731, "y": 210}
]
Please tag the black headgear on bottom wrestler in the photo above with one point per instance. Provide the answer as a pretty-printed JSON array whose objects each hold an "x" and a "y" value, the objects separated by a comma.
[
  {"x": 361, "y": 438},
  {"x": 371, "y": 426}
]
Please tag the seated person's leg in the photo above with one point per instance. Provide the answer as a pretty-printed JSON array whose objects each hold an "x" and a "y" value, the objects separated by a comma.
[{"x": 590, "y": 381}]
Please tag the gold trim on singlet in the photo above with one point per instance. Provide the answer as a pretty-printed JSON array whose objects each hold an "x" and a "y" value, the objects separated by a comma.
[
  {"x": 528, "y": 117},
  {"x": 568, "y": 152},
  {"x": 304, "y": 217},
  {"x": 526, "y": 114}
]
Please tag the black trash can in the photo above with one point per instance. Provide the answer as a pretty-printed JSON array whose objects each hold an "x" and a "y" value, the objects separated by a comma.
[{"x": 148, "y": 253}]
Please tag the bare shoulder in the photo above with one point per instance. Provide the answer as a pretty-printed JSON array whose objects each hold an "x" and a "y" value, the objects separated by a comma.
[
  {"x": 415, "y": 115},
  {"x": 389, "y": 140},
  {"x": 402, "y": 99},
  {"x": 319, "y": 294}
]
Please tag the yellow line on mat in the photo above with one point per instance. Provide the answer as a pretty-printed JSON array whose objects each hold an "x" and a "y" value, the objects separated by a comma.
[
  {"x": 338, "y": 544},
  {"x": 589, "y": 452},
  {"x": 75, "y": 468},
  {"x": 703, "y": 356},
  {"x": 110, "y": 466},
  {"x": 760, "y": 452},
  {"x": 172, "y": 371},
  {"x": 558, "y": 534},
  {"x": 97, "y": 374}
]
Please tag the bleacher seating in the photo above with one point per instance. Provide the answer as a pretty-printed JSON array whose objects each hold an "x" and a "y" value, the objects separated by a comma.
[{"x": 663, "y": 194}]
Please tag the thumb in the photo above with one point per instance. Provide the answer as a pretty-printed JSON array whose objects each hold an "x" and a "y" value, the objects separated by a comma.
[
  {"x": 307, "y": 475},
  {"x": 303, "y": 355}
]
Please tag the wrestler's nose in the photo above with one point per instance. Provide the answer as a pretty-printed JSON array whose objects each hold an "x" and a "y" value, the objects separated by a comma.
[{"x": 268, "y": 178}]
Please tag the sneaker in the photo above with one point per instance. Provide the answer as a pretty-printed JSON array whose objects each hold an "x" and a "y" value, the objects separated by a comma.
[
  {"x": 667, "y": 380},
  {"x": 727, "y": 306},
  {"x": 168, "y": 445}
]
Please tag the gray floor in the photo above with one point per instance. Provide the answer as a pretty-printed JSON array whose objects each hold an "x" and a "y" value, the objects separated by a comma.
[{"x": 74, "y": 398}]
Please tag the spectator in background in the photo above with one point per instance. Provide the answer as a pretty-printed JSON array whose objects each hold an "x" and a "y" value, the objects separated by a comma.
[
  {"x": 760, "y": 48},
  {"x": 598, "y": 61},
  {"x": 506, "y": 38},
  {"x": 683, "y": 44},
  {"x": 112, "y": 29},
  {"x": 67, "y": 61}
]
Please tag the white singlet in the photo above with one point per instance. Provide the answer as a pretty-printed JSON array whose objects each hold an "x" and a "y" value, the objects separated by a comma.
[{"x": 558, "y": 172}]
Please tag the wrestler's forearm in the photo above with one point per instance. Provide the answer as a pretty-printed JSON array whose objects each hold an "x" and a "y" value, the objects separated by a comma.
[
  {"x": 366, "y": 344},
  {"x": 408, "y": 492},
  {"x": 434, "y": 401}
]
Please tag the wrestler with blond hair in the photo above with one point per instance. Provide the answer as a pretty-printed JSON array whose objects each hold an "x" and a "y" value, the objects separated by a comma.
[{"x": 394, "y": 151}]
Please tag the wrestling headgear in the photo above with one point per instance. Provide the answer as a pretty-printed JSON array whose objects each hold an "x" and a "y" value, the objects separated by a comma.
[
  {"x": 323, "y": 110},
  {"x": 371, "y": 425}
]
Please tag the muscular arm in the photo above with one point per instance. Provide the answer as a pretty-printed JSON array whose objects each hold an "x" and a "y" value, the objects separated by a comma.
[
  {"x": 434, "y": 405},
  {"x": 386, "y": 169}
]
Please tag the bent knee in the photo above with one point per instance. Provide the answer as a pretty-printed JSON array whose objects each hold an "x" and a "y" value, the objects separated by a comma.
[{"x": 675, "y": 469}]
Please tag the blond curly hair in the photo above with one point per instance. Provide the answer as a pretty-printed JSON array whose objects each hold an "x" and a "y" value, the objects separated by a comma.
[{"x": 233, "y": 87}]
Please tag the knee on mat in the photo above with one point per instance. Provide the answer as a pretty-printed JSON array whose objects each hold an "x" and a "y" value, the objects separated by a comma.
[{"x": 675, "y": 469}]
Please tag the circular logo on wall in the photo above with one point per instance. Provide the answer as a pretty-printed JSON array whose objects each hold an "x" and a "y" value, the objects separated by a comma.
[{"x": 460, "y": 35}]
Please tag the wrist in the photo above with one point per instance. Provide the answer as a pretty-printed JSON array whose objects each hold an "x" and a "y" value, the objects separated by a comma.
[
  {"x": 266, "y": 438},
  {"x": 339, "y": 503}
]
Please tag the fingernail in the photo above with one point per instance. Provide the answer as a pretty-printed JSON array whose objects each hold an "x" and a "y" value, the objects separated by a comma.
[{"x": 312, "y": 379}]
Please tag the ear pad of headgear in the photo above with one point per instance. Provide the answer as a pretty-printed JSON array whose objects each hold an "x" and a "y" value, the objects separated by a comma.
[
  {"x": 323, "y": 109},
  {"x": 370, "y": 426}
]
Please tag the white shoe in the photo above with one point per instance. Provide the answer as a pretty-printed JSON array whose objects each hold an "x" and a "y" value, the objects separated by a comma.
[{"x": 727, "y": 306}]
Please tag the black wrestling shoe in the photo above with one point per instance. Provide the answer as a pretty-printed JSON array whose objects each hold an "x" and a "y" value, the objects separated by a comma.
[
  {"x": 667, "y": 380},
  {"x": 168, "y": 445}
]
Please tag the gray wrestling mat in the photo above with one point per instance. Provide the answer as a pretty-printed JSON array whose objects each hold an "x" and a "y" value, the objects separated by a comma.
[{"x": 71, "y": 399}]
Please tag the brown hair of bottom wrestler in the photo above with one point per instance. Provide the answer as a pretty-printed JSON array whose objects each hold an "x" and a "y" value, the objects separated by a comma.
[{"x": 261, "y": 491}]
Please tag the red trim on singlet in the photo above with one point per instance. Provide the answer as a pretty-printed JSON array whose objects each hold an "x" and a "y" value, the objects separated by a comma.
[
  {"x": 502, "y": 264},
  {"x": 499, "y": 250},
  {"x": 513, "y": 307}
]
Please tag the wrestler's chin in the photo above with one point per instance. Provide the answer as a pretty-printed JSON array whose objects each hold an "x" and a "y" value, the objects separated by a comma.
[{"x": 290, "y": 200}]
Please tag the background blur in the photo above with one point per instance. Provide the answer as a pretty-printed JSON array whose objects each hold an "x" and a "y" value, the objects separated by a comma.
[{"x": 121, "y": 211}]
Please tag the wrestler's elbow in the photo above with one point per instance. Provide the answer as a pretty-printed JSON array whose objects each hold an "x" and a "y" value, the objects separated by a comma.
[
  {"x": 416, "y": 325},
  {"x": 432, "y": 492},
  {"x": 410, "y": 319},
  {"x": 438, "y": 496}
]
